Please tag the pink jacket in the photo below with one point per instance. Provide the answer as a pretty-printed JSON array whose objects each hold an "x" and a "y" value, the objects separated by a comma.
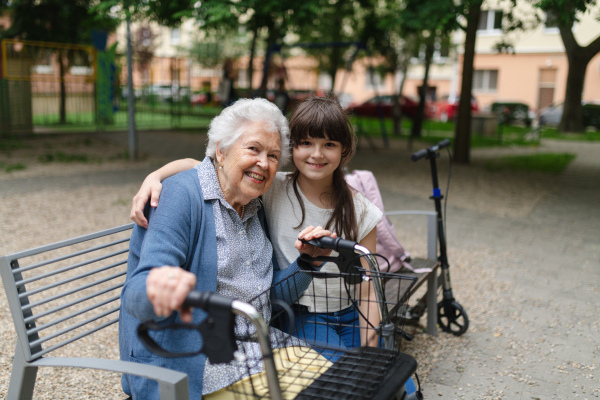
[{"x": 387, "y": 243}]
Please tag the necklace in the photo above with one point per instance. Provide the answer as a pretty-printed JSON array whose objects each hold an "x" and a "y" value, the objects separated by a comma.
[{"x": 241, "y": 213}]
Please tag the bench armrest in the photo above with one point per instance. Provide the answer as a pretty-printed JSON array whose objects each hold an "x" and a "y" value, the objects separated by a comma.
[
  {"x": 172, "y": 384},
  {"x": 431, "y": 228}
]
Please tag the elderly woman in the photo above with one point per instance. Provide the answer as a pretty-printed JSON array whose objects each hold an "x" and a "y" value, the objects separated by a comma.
[{"x": 207, "y": 235}]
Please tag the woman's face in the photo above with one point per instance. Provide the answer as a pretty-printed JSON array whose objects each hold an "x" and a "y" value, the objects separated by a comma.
[
  {"x": 249, "y": 165},
  {"x": 317, "y": 159}
]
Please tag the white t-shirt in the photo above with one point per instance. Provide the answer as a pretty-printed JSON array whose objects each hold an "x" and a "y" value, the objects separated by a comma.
[{"x": 284, "y": 214}]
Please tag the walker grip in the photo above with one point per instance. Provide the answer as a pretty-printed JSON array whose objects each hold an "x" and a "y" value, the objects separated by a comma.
[{"x": 346, "y": 260}]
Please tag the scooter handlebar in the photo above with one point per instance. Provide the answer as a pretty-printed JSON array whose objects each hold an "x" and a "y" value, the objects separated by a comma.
[{"x": 422, "y": 153}]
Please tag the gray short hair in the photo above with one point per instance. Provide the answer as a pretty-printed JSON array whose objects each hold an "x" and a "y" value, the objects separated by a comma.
[{"x": 228, "y": 126}]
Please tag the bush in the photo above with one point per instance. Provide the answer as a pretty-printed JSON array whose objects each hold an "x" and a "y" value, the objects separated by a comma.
[{"x": 591, "y": 115}]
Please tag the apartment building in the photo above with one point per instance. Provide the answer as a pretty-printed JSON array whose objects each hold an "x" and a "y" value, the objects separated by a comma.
[{"x": 535, "y": 72}]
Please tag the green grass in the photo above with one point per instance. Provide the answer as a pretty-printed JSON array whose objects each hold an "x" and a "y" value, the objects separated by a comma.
[
  {"x": 161, "y": 116},
  {"x": 12, "y": 167},
  {"x": 65, "y": 158},
  {"x": 434, "y": 131},
  {"x": 552, "y": 133},
  {"x": 552, "y": 163},
  {"x": 9, "y": 144}
]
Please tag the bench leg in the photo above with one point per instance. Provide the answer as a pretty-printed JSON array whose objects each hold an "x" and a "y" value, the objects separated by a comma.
[
  {"x": 168, "y": 391},
  {"x": 22, "y": 378},
  {"x": 432, "y": 286}
]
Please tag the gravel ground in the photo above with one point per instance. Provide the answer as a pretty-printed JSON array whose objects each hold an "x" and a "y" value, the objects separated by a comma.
[{"x": 47, "y": 202}]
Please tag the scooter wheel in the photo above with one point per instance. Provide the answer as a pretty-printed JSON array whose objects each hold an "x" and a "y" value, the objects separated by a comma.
[{"x": 452, "y": 318}]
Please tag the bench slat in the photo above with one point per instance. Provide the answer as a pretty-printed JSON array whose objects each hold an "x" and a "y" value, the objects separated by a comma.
[
  {"x": 69, "y": 242},
  {"x": 71, "y": 255},
  {"x": 68, "y": 280},
  {"x": 69, "y": 292},
  {"x": 70, "y": 267},
  {"x": 50, "y": 349},
  {"x": 72, "y": 303},
  {"x": 75, "y": 314}
]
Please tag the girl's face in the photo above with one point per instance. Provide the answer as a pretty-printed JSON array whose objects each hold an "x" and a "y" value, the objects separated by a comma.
[{"x": 317, "y": 159}]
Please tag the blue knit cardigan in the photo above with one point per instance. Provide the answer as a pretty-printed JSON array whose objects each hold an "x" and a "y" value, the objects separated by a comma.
[{"x": 182, "y": 233}]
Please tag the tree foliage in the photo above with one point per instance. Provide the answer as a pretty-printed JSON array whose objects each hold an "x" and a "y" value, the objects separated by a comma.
[{"x": 63, "y": 21}]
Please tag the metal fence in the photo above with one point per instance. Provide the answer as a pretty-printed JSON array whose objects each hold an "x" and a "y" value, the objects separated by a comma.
[
  {"x": 50, "y": 87},
  {"x": 46, "y": 84}
]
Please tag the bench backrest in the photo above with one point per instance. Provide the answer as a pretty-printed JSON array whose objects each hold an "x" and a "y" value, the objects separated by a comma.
[{"x": 65, "y": 291}]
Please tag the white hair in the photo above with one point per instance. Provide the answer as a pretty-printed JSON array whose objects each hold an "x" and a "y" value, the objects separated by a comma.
[{"x": 228, "y": 126}]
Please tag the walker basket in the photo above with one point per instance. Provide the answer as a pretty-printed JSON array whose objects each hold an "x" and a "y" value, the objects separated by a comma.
[{"x": 311, "y": 359}]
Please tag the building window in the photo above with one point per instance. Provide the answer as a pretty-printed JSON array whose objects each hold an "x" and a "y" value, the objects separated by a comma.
[
  {"x": 490, "y": 21},
  {"x": 373, "y": 81},
  {"x": 485, "y": 80},
  {"x": 175, "y": 36},
  {"x": 551, "y": 23},
  {"x": 441, "y": 51},
  {"x": 324, "y": 81}
]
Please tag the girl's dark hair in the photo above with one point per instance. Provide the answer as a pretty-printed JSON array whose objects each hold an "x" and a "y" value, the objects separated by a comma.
[{"x": 324, "y": 118}]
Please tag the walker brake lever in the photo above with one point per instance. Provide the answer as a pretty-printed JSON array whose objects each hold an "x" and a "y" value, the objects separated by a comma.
[
  {"x": 216, "y": 331},
  {"x": 346, "y": 260}
]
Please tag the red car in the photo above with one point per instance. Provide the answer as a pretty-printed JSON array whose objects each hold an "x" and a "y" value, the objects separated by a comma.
[
  {"x": 446, "y": 108},
  {"x": 370, "y": 107}
]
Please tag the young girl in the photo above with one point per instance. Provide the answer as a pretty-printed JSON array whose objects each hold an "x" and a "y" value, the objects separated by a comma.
[{"x": 314, "y": 194}]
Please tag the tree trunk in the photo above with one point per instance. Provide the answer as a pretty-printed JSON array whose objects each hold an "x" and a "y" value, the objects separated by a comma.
[
  {"x": 417, "y": 125},
  {"x": 63, "y": 91},
  {"x": 251, "y": 60},
  {"x": 578, "y": 57},
  {"x": 267, "y": 64},
  {"x": 398, "y": 102},
  {"x": 462, "y": 134},
  {"x": 572, "y": 117}
]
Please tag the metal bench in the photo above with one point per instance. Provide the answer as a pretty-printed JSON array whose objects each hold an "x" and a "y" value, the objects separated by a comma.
[
  {"x": 64, "y": 292},
  {"x": 431, "y": 261},
  {"x": 61, "y": 293}
]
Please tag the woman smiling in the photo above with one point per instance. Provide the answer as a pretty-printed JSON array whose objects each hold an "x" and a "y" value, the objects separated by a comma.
[{"x": 207, "y": 234}]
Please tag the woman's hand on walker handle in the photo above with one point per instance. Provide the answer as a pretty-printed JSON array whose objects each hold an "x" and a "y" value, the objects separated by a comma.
[
  {"x": 167, "y": 288},
  {"x": 310, "y": 233}
]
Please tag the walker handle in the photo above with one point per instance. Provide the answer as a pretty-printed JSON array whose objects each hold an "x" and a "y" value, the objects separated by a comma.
[
  {"x": 346, "y": 260},
  {"x": 216, "y": 331}
]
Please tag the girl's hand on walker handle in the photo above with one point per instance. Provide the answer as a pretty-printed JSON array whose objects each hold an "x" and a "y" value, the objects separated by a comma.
[{"x": 310, "y": 233}]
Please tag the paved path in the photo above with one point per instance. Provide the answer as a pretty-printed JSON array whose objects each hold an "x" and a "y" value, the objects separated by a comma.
[{"x": 543, "y": 336}]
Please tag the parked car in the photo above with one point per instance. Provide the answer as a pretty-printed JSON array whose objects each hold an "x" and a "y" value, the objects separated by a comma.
[
  {"x": 551, "y": 116},
  {"x": 446, "y": 108},
  {"x": 511, "y": 112},
  {"x": 370, "y": 108},
  {"x": 201, "y": 99},
  {"x": 137, "y": 93},
  {"x": 165, "y": 93}
]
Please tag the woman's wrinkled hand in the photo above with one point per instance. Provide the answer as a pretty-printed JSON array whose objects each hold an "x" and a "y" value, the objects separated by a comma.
[
  {"x": 150, "y": 190},
  {"x": 310, "y": 233},
  {"x": 167, "y": 288}
]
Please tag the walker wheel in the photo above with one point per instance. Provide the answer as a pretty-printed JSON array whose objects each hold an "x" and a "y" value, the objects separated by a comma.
[{"x": 452, "y": 318}]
